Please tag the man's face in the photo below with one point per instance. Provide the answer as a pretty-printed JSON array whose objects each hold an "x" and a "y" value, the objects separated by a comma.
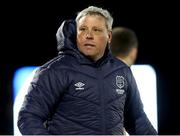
[{"x": 92, "y": 36}]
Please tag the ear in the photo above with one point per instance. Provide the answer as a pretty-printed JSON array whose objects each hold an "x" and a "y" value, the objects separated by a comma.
[
  {"x": 133, "y": 54},
  {"x": 109, "y": 36}
]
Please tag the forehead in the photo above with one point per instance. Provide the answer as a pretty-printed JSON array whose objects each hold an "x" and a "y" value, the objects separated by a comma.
[{"x": 92, "y": 20}]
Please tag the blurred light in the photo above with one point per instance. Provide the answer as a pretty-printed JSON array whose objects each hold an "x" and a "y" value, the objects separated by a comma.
[
  {"x": 145, "y": 77},
  {"x": 20, "y": 77}
]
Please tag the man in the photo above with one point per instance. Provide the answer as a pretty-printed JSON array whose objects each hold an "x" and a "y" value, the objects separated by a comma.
[
  {"x": 84, "y": 91},
  {"x": 124, "y": 44}
]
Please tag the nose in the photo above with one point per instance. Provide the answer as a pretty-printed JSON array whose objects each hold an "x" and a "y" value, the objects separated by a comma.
[{"x": 89, "y": 35}]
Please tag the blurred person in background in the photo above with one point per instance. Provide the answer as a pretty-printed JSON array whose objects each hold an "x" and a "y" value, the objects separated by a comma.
[{"x": 124, "y": 44}]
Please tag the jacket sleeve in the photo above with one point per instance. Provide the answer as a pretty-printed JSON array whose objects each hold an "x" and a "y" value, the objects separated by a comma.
[
  {"x": 39, "y": 103},
  {"x": 135, "y": 119}
]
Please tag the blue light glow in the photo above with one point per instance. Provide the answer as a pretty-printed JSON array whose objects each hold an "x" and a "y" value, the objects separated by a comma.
[{"x": 20, "y": 77}]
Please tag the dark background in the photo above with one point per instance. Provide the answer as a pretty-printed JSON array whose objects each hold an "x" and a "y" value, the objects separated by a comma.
[{"x": 28, "y": 38}]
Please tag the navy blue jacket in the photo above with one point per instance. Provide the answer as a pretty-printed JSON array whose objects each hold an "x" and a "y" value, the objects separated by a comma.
[{"x": 72, "y": 95}]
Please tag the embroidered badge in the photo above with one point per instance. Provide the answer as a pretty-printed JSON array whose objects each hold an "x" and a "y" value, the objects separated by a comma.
[{"x": 120, "y": 84}]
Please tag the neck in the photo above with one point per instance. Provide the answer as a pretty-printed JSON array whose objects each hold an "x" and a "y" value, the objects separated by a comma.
[{"x": 126, "y": 60}]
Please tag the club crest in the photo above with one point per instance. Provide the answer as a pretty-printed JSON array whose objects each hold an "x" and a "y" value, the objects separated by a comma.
[{"x": 120, "y": 81}]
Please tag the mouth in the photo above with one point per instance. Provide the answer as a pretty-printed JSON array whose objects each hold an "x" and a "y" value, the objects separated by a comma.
[{"x": 89, "y": 45}]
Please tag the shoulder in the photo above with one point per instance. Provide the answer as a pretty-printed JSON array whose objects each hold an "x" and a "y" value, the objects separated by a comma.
[
  {"x": 57, "y": 64},
  {"x": 50, "y": 69},
  {"x": 59, "y": 61},
  {"x": 119, "y": 64},
  {"x": 120, "y": 67}
]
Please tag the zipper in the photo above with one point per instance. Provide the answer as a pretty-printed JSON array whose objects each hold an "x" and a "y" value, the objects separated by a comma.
[{"x": 102, "y": 101}]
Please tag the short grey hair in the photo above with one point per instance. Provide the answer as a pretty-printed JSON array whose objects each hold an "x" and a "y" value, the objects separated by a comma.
[{"x": 92, "y": 10}]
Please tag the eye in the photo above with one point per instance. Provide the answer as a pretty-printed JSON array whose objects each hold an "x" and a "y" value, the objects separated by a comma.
[
  {"x": 82, "y": 29},
  {"x": 97, "y": 30}
]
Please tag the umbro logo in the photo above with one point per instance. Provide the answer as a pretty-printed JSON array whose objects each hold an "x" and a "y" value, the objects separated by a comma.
[{"x": 79, "y": 86}]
